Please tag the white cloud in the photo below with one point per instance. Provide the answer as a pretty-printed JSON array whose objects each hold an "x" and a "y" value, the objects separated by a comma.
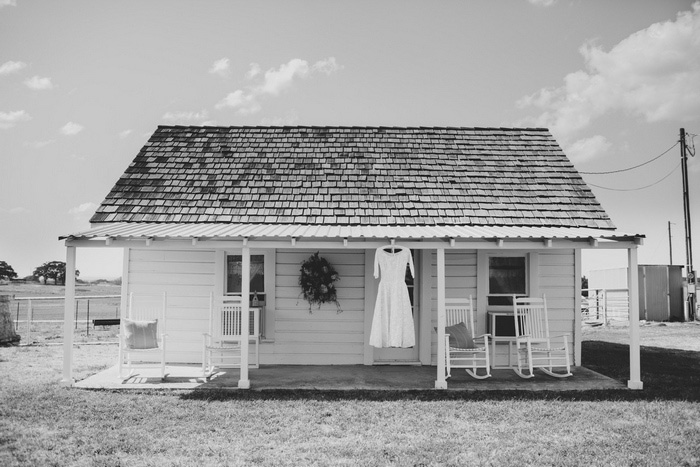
[
  {"x": 220, "y": 67},
  {"x": 245, "y": 103},
  {"x": 39, "y": 144},
  {"x": 587, "y": 148},
  {"x": 652, "y": 74},
  {"x": 544, "y": 3},
  {"x": 38, "y": 84},
  {"x": 125, "y": 133},
  {"x": 70, "y": 129},
  {"x": 10, "y": 119},
  {"x": 8, "y": 3},
  {"x": 83, "y": 212},
  {"x": 327, "y": 66},
  {"x": 85, "y": 207},
  {"x": 289, "y": 119},
  {"x": 274, "y": 81},
  {"x": 15, "y": 210},
  {"x": 280, "y": 79},
  {"x": 11, "y": 67},
  {"x": 186, "y": 117},
  {"x": 253, "y": 71}
]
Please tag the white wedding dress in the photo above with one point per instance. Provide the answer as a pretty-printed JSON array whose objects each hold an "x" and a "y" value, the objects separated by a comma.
[{"x": 392, "y": 325}]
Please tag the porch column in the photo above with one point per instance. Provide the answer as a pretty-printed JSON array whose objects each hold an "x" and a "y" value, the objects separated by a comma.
[
  {"x": 635, "y": 381},
  {"x": 440, "y": 382},
  {"x": 68, "y": 319},
  {"x": 244, "y": 382}
]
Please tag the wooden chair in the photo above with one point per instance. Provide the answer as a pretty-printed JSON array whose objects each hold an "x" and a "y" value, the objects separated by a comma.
[
  {"x": 535, "y": 347},
  {"x": 463, "y": 349},
  {"x": 222, "y": 344},
  {"x": 142, "y": 336}
]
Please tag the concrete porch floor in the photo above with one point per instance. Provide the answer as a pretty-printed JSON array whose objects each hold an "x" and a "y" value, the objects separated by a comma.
[{"x": 346, "y": 377}]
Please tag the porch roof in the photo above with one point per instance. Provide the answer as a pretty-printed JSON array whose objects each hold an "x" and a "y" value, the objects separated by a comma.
[{"x": 224, "y": 231}]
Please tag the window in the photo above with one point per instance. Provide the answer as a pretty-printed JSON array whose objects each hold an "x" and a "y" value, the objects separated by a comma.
[
  {"x": 507, "y": 277},
  {"x": 234, "y": 275}
]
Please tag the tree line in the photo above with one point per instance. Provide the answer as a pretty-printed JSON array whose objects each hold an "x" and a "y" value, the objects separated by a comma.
[{"x": 55, "y": 270}]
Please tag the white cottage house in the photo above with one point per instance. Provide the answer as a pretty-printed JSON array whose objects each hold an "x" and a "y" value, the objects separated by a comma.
[{"x": 472, "y": 204}]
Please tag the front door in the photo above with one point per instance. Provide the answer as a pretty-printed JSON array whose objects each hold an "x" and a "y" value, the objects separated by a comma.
[{"x": 389, "y": 356}]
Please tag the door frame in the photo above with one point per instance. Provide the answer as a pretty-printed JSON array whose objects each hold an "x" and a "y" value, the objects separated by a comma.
[{"x": 391, "y": 356}]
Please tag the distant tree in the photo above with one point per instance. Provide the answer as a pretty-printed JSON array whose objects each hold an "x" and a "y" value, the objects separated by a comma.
[
  {"x": 55, "y": 270},
  {"x": 584, "y": 285},
  {"x": 6, "y": 271}
]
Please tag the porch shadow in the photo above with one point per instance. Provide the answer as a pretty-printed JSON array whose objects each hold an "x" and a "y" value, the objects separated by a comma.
[{"x": 347, "y": 378}]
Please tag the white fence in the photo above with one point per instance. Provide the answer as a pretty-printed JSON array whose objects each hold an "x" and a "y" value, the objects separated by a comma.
[
  {"x": 51, "y": 310},
  {"x": 603, "y": 306}
]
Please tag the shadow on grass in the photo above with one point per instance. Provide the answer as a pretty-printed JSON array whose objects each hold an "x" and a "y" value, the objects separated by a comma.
[{"x": 667, "y": 374}]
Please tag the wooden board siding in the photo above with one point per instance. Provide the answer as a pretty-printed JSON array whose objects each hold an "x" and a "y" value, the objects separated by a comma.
[
  {"x": 460, "y": 282},
  {"x": 555, "y": 277},
  {"x": 322, "y": 337},
  {"x": 188, "y": 277}
]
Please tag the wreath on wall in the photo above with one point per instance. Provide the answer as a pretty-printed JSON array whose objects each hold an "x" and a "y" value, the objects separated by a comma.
[{"x": 317, "y": 281}]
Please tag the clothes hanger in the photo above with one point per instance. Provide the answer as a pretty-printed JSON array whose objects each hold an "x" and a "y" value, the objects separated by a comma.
[{"x": 393, "y": 246}]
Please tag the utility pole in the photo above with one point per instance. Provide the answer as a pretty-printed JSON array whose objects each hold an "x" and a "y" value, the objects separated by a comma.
[
  {"x": 690, "y": 272},
  {"x": 670, "y": 245}
]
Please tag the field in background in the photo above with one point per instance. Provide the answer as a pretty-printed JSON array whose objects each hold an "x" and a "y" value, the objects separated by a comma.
[{"x": 47, "y": 315}]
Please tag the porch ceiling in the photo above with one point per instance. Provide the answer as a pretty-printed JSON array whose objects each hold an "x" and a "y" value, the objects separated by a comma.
[{"x": 267, "y": 232}]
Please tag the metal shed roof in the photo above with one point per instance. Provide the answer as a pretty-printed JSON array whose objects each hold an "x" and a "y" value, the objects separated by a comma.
[{"x": 174, "y": 231}]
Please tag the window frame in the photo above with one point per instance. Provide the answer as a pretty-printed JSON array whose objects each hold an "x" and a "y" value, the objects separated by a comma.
[
  {"x": 251, "y": 292},
  {"x": 267, "y": 318},
  {"x": 530, "y": 277}
]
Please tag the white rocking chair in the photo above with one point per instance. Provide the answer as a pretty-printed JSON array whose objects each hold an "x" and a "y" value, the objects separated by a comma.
[
  {"x": 535, "y": 347},
  {"x": 142, "y": 335},
  {"x": 463, "y": 349},
  {"x": 222, "y": 344}
]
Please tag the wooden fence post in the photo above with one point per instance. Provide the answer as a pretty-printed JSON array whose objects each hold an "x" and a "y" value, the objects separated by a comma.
[{"x": 30, "y": 313}]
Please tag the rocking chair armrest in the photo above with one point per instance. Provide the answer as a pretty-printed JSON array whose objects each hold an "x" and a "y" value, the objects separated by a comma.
[
  {"x": 523, "y": 338},
  {"x": 484, "y": 337}
]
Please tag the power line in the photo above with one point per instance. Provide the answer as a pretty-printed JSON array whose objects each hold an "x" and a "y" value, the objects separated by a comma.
[
  {"x": 641, "y": 187},
  {"x": 630, "y": 168}
]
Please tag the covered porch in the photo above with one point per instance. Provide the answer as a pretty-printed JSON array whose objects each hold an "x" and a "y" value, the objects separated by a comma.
[
  {"x": 439, "y": 239},
  {"x": 346, "y": 378}
]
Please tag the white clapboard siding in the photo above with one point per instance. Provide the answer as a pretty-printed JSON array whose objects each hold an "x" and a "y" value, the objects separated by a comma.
[
  {"x": 321, "y": 336},
  {"x": 188, "y": 278},
  {"x": 556, "y": 276},
  {"x": 460, "y": 282}
]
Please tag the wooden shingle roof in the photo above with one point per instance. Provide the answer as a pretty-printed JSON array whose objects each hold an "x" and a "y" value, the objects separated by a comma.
[{"x": 353, "y": 176}]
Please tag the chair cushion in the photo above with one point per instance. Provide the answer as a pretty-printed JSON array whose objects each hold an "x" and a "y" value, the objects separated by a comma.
[
  {"x": 141, "y": 334},
  {"x": 460, "y": 336}
]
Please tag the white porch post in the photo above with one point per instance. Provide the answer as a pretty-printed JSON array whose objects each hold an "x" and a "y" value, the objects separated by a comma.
[
  {"x": 244, "y": 382},
  {"x": 440, "y": 382},
  {"x": 635, "y": 381},
  {"x": 68, "y": 319}
]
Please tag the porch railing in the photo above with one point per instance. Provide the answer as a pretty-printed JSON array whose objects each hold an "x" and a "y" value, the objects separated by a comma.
[{"x": 603, "y": 306}]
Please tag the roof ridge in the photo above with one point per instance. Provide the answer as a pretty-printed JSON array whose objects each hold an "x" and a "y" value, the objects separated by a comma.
[{"x": 360, "y": 127}]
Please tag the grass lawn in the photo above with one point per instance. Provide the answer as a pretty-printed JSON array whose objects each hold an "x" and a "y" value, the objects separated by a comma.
[{"x": 44, "y": 424}]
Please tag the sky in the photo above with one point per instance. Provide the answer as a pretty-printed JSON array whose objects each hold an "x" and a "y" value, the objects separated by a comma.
[{"x": 83, "y": 84}]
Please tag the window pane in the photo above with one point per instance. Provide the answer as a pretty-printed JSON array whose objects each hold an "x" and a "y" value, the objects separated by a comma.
[
  {"x": 507, "y": 275},
  {"x": 234, "y": 274}
]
